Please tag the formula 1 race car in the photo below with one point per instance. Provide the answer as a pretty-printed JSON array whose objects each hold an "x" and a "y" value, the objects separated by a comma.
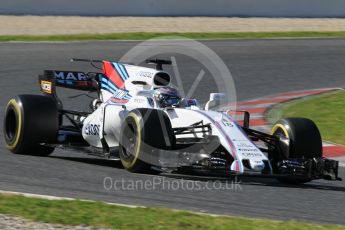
[{"x": 140, "y": 119}]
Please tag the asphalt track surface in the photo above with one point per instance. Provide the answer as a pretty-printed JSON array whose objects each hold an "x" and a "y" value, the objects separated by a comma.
[{"x": 259, "y": 67}]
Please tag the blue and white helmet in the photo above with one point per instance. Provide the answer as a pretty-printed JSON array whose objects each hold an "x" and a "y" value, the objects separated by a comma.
[{"x": 167, "y": 97}]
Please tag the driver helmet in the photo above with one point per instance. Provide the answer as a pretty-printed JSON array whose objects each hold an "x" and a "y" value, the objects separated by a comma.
[{"x": 167, "y": 97}]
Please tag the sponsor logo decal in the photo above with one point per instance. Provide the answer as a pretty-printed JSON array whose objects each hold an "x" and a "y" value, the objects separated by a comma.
[
  {"x": 46, "y": 87},
  {"x": 145, "y": 74},
  {"x": 76, "y": 76},
  {"x": 227, "y": 123},
  {"x": 248, "y": 150},
  {"x": 257, "y": 154},
  {"x": 92, "y": 129},
  {"x": 244, "y": 145},
  {"x": 120, "y": 93},
  {"x": 139, "y": 100}
]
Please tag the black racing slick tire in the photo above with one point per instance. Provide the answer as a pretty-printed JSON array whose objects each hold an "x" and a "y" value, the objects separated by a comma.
[
  {"x": 31, "y": 120},
  {"x": 143, "y": 132},
  {"x": 304, "y": 141},
  {"x": 304, "y": 137}
]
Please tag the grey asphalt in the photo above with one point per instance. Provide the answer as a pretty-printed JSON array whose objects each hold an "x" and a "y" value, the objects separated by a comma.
[{"x": 259, "y": 67}]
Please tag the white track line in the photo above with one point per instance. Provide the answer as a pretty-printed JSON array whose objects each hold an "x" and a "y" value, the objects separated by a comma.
[{"x": 47, "y": 197}]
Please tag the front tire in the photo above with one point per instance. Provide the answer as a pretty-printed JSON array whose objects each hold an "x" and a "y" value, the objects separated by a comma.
[
  {"x": 144, "y": 131},
  {"x": 304, "y": 141},
  {"x": 29, "y": 121}
]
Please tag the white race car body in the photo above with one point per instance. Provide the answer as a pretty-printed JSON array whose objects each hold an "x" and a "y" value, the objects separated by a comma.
[{"x": 105, "y": 122}]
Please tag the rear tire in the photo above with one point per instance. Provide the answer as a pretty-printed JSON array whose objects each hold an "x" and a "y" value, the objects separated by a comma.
[
  {"x": 29, "y": 121},
  {"x": 304, "y": 141},
  {"x": 143, "y": 131}
]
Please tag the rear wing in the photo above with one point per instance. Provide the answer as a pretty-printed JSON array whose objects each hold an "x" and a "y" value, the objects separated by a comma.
[{"x": 68, "y": 79}]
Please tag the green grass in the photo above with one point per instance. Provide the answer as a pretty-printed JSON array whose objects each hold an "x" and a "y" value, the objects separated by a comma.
[
  {"x": 327, "y": 111},
  {"x": 144, "y": 36},
  {"x": 109, "y": 216}
]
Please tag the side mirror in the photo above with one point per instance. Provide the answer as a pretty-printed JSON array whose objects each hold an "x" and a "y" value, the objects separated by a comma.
[{"x": 216, "y": 99}]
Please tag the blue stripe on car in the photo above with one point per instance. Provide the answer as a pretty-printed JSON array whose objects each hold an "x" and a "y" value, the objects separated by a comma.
[
  {"x": 123, "y": 68},
  {"x": 117, "y": 69}
]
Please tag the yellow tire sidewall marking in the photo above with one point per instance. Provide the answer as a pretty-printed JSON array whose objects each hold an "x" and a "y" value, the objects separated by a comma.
[
  {"x": 129, "y": 165},
  {"x": 282, "y": 127},
  {"x": 14, "y": 103}
]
